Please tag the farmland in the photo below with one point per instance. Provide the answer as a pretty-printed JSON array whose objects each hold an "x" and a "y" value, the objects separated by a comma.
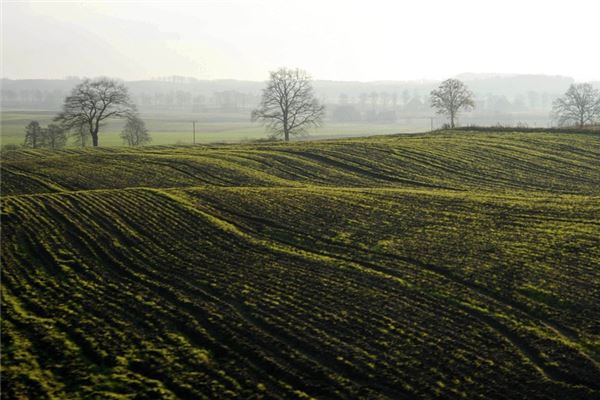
[
  {"x": 175, "y": 127},
  {"x": 441, "y": 265}
]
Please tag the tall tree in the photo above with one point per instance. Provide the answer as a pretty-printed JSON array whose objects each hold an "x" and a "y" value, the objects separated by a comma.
[
  {"x": 451, "y": 97},
  {"x": 580, "y": 105},
  {"x": 93, "y": 101},
  {"x": 288, "y": 106},
  {"x": 34, "y": 135},
  {"x": 135, "y": 133}
]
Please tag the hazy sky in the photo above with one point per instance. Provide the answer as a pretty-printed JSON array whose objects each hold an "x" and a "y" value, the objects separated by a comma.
[{"x": 339, "y": 40}]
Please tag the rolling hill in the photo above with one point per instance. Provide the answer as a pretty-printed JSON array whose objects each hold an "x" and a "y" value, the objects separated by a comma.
[{"x": 441, "y": 265}]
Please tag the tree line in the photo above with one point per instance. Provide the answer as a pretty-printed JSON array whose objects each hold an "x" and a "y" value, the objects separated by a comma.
[
  {"x": 288, "y": 107},
  {"x": 53, "y": 136},
  {"x": 382, "y": 106}
]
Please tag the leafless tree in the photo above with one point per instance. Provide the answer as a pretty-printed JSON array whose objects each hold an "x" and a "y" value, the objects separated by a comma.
[
  {"x": 93, "y": 101},
  {"x": 34, "y": 135},
  {"x": 580, "y": 105},
  {"x": 135, "y": 133},
  {"x": 288, "y": 106},
  {"x": 450, "y": 98}
]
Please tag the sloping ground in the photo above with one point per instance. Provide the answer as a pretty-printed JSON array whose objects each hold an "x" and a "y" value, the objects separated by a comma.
[
  {"x": 566, "y": 163},
  {"x": 316, "y": 288}
]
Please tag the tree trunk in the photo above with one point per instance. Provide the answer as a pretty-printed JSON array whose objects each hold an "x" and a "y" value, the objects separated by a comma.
[
  {"x": 95, "y": 138},
  {"x": 452, "y": 121},
  {"x": 286, "y": 134}
]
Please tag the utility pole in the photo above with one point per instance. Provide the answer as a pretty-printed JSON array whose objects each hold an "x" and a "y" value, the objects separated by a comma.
[{"x": 194, "y": 125}]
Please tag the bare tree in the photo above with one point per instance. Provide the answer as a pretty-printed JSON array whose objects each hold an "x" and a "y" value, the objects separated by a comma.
[
  {"x": 288, "y": 106},
  {"x": 450, "y": 98},
  {"x": 135, "y": 133},
  {"x": 55, "y": 136},
  {"x": 34, "y": 135},
  {"x": 580, "y": 105},
  {"x": 92, "y": 102}
]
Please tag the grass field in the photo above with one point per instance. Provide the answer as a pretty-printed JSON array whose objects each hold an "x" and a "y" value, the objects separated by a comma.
[
  {"x": 176, "y": 128},
  {"x": 441, "y": 265}
]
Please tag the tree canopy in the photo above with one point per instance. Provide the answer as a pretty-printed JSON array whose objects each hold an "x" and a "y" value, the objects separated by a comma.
[
  {"x": 135, "y": 133},
  {"x": 580, "y": 105},
  {"x": 93, "y": 101},
  {"x": 450, "y": 98},
  {"x": 288, "y": 106},
  {"x": 53, "y": 136},
  {"x": 34, "y": 135}
]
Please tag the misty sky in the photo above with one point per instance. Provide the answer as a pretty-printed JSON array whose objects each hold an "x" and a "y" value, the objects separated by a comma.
[{"x": 337, "y": 40}]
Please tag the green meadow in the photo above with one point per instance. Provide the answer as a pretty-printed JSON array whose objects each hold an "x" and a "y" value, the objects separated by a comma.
[{"x": 177, "y": 128}]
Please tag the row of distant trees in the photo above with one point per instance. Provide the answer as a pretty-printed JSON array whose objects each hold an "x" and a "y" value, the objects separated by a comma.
[
  {"x": 288, "y": 107},
  {"x": 416, "y": 100},
  {"x": 383, "y": 107},
  {"x": 225, "y": 100},
  {"x": 363, "y": 105},
  {"x": 53, "y": 136}
]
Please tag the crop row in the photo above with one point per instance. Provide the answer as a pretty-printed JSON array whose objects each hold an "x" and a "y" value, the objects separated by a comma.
[
  {"x": 202, "y": 294},
  {"x": 541, "y": 254},
  {"x": 483, "y": 162}
]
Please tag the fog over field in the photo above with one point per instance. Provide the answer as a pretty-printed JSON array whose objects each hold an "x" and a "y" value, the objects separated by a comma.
[
  {"x": 374, "y": 65},
  {"x": 333, "y": 40}
]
